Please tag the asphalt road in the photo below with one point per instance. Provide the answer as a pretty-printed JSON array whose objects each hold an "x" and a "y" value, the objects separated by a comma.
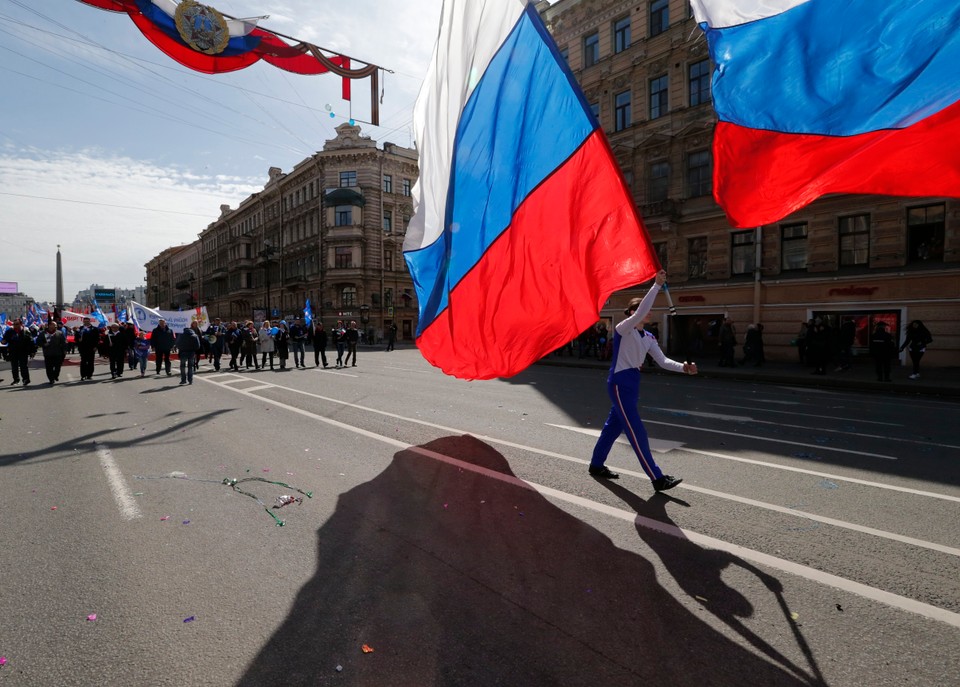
[{"x": 453, "y": 530}]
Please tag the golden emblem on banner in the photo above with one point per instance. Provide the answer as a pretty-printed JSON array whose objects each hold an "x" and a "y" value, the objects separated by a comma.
[{"x": 202, "y": 28}]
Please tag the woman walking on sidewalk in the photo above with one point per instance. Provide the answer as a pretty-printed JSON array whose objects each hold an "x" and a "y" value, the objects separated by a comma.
[
  {"x": 918, "y": 338},
  {"x": 631, "y": 344}
]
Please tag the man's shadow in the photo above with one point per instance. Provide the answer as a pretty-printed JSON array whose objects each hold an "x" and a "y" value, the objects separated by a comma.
[
  {"x": 699, "y": 571},
  {"x": 455, "y": 573}
]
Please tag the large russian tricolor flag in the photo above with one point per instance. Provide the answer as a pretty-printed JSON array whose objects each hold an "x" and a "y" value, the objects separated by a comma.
[
  {"x": 523, "y": 225},
  {"x": 823, "y": 96}
]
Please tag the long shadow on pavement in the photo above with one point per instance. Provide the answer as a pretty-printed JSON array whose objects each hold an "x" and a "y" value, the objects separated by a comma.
[
  {"x": 457, "y": 578},
  {"x": 698, "y": 571}
]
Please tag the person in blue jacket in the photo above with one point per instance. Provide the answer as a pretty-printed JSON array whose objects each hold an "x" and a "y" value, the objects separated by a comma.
[{"x": 631, "y": 344}]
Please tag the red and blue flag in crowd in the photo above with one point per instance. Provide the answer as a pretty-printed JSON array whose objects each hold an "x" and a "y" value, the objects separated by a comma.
[
  {"x": 523, "y": 224},
  {"x": 818, "y": 96}
]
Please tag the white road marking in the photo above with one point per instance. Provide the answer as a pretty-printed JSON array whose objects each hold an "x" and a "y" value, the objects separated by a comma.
[
  {"x": 819, "y": 447},
  {"x": 333, "y": 371},
  {"x": 743, "y": 418},
  {"x": 797, "y": 413},
  {"x": 711, "y": 416},
  {"x": 129, "y": 509},
  {"x": 827, "y": 475},
  {"x": 658, "y": 445},
  {"x": 879, "y": 595},
  {"x": 406, "y": 369}
]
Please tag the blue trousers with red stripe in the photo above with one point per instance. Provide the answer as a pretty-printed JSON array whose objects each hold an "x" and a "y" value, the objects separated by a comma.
[{"x": 624, "y": 390}]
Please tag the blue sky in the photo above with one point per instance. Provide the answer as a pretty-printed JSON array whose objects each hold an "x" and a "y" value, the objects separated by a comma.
[{"x": 115, "y": 152}]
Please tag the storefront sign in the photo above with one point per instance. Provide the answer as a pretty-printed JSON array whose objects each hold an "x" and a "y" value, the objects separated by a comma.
[{"x": 854, "y": 291}]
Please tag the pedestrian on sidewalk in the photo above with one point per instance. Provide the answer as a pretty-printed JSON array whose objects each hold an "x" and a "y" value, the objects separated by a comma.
[
  {"x": 188, "y": 346},
  {"x": 141, "y": 349},
  {"x": 281, "y": 341},
  {"x": 728, "y": 343},
  {"x": 249, "y": 344},
  {"x": 116, "y": 350},
  {"x": 631, "y": 344},
  {"x": 161, "y": 341},
  {"x": 917, "y": 339},
  {"x": 267, "y": 346},
  {"x": 20, "y": 348},
  {"x": 848, "y": 333},
  {"x": 352, "y": 338},
  {"x": 818, "y": 346},
  {"x": 883, "y": 348},
  {"x": 298, "y": 337},
  {"x": 319, "y": 337},
  {"x": 54, "y": 346},
  {"x": 87, "y": 339},
  {"x": 340, "y": 341}
]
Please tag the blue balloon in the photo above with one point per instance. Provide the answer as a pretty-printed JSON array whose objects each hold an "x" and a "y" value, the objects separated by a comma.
[{"x": 273, "y": 331}]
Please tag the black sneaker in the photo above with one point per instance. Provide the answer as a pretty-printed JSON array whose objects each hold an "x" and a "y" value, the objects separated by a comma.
[
  {"x": 603, "y": 472},
  {"x": 666, "y": 482}
]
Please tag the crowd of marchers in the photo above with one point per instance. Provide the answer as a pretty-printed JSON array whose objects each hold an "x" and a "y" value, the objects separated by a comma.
[{"x": 126, "y": 348}]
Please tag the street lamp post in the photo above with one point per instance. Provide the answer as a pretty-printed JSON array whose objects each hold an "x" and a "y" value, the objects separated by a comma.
[{"x": 267, "y": 255}]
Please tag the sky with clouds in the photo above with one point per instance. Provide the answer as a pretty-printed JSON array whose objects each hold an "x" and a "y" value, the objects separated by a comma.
[{"x": 114, "y": 152}]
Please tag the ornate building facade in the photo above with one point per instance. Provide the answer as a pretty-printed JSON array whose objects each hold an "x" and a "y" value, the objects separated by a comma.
[
  {"x": 645, "y": 70},
  {"x": 329, "y": 231}
]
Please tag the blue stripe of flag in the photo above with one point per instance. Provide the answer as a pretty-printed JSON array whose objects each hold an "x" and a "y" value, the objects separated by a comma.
[{"x": 839, "y": 68}]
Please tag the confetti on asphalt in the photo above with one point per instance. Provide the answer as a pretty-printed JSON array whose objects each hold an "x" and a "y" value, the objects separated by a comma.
[
  {"x": 165, "y": 517},
  {"x": 367, "y": 649},
  {"x": 339, "y": 668},
  {"x": 138, "y": 493},
  {"x": 794, "y": 615},
  {"x": 190, "y": 619},
  {"x": 53, "y": 508},
  {"x": 3, "y": 661},
  {"x": 827, "y": 484},
  {"x": 92, "y": 617},
  {"x": 700, "y": 598},
  {"x": 186, "y": 522}
]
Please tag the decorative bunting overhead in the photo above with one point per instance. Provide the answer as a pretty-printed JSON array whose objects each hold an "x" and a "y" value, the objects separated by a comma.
[{"x": 202, "y": 38}]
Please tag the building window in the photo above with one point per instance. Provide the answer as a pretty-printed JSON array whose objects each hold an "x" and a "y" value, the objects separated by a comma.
[
  {"x": 742, "y": 252},
  {"x": 661, "y": 250},
  {"x": 793, "y": 247},
  {"x": 565, "y": 54},
  {"x": 348, "y": 179},
  {"x": 659, "y": 17},
  {"x": 406, "y": 187},
  {"x": 699, "y": 174},
  {"x": 659, "y": 182},
  {"x": 591, "y": 49},
  {"x": 621, "y": 110},
  {"x": 697, "y": 257},
  {"x": 343, "y": 257},
  {"x": 621, "y": 34},
  {"x": 595, "y": 109},
  {"x": 925, "y": 225},
  {"x": 699, "y": 82},
  {"x": 854, "y": 240},
  {"x": 348, "y": 297},
  {"x": 344, "y": 216},
  {"x": 387, "y": 183},
  {"x": 388, "y": 221},
  {"x": 388, "y": 260},
  {"x": 658, "y": 96}
]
